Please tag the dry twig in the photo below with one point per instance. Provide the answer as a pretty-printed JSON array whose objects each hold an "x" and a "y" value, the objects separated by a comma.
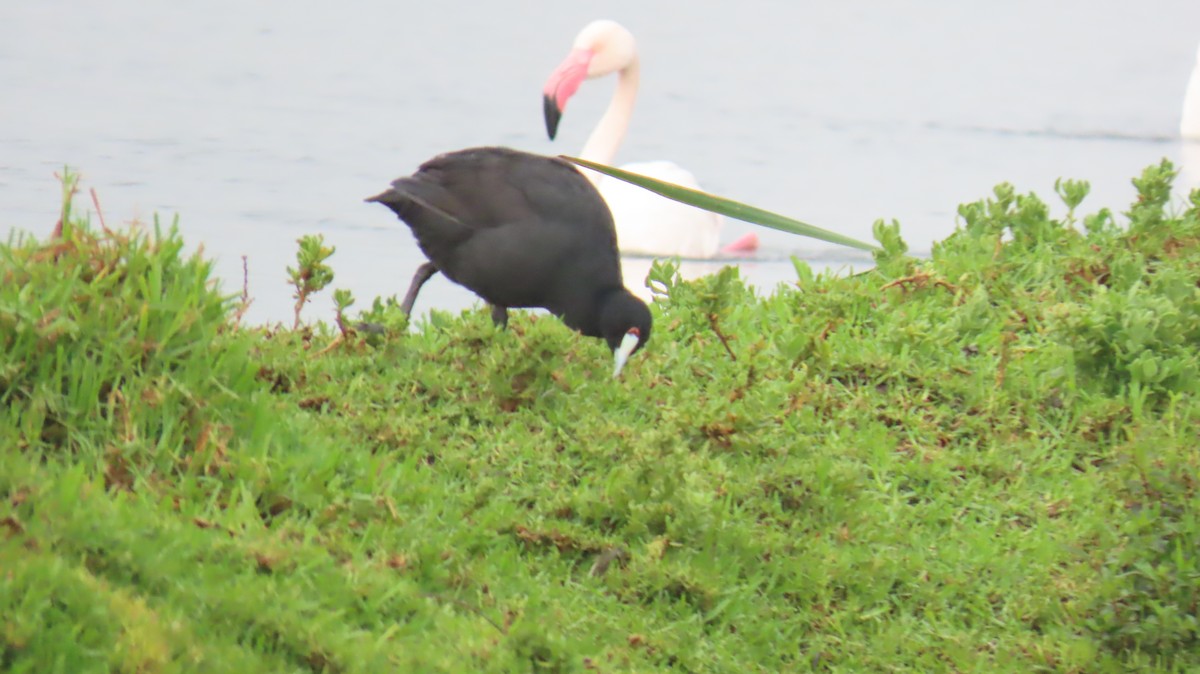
[{"x": 712, "y": 320}]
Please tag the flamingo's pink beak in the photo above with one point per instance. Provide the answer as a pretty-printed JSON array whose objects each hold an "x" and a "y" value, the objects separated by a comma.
[{"x": 562, "y": 85}]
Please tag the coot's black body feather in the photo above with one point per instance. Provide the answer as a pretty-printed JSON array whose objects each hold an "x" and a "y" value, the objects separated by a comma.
[{"x": 520, "y": 230}]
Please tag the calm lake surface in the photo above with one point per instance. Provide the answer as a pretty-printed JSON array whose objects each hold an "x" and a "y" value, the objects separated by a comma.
[{"x": 259, "y": 122}]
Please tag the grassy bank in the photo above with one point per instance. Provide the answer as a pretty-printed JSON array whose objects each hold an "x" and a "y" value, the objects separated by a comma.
[{"x": 985, "y": 461}]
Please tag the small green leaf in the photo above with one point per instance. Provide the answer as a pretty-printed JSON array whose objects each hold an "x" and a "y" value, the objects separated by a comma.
[
  {"x": 1072, "y": 192},
  {"x": 343, "y": 299},
  {"x": 804, "y": 272}
]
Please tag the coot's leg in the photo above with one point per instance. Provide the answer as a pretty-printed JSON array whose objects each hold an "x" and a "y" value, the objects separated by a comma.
[
  {"x": 500, "y": 316},
  {"x": 424, "y": 272}
]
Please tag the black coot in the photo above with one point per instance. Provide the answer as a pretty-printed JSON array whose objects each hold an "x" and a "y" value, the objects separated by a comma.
[{"x": 521, "y": 230}]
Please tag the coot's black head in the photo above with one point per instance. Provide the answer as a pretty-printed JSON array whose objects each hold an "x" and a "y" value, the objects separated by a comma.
[{"x": 625, "y": 325}]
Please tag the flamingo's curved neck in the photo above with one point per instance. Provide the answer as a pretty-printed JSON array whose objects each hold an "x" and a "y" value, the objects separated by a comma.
[{"x": 602, "y": 145}]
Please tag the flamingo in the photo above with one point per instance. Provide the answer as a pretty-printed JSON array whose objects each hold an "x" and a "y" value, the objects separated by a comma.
[
  {"x": 646, "y": 223},
  {"x": 1189, "y": 125}
]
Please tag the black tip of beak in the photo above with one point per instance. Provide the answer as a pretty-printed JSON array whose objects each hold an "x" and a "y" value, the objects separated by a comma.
[{"x": 553, "y": 114}]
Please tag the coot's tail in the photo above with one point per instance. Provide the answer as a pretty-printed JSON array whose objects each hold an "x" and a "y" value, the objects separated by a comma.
[{"x": 412, "y": 198}]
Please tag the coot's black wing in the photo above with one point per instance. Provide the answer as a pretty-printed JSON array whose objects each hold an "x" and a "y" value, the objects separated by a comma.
[
  {"x": 508, "y": 224},
  {"x": 457, "y": 192}
]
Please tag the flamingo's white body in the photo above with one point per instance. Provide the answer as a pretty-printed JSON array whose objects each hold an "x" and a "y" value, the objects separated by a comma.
[
  {"x": 646, "y": 222},
  {"x": 1189, "y": 129},
  {"x": 1189, "y": 125}
]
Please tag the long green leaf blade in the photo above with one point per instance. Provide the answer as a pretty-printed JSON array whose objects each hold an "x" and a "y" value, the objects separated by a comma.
[{"x": 726, "y": 207}]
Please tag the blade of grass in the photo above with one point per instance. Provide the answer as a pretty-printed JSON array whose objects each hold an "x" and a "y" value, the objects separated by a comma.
[{"x": 726, "y": 207}]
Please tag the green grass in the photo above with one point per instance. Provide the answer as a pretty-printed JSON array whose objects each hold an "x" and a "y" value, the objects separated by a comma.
[{"x": 985, "y": 461}]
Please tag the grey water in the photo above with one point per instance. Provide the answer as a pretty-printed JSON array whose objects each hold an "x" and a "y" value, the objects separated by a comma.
[{"x": 258, "y": 122}]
